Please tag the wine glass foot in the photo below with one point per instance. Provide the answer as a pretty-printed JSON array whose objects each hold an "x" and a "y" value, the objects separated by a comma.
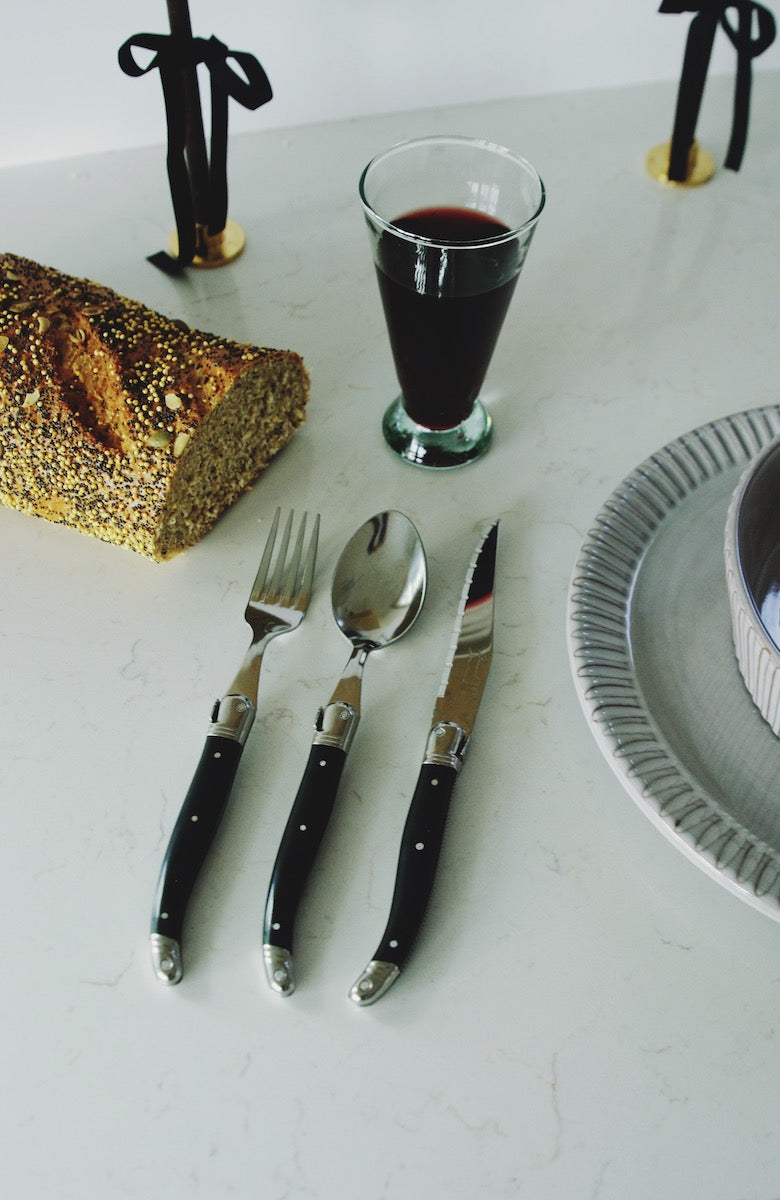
[{"x": 437, "y": 448}]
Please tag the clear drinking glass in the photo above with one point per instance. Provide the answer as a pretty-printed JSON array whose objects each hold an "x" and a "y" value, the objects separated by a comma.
[{"x": 450, "y": 221}]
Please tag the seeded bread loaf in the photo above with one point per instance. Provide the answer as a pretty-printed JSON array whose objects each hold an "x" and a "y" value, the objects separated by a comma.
[{"x": 123, "y": 423}]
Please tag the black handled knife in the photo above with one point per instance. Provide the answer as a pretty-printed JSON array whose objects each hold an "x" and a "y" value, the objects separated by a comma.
[{"x": 454, "y": 715}]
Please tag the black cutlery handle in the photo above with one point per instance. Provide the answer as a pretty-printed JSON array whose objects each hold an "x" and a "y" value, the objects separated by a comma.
[
  {"x": 190, "y": 842},
  {"x": 418, "y": 859},
  {"x": 298, "y": 848}
]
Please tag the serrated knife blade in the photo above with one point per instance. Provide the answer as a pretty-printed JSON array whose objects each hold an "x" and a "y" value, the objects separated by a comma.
[{"x": 454, "y": 714}]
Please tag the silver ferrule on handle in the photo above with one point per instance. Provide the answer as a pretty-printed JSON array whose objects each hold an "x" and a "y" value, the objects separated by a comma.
[
  {"x": 166, "y": 958},
  {"x": 373, "y": 982},
  {"x": 279, "y": 969},
  {"x": 232, "y": 717},
  {"x": 336, "y": 725},
  {"x": 446, "y": 746}
]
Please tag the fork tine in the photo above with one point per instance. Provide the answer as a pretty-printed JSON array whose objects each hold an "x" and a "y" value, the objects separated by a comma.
[
  {"x": 301, "y": 600},
  {"x": 288, "y": 585},
  {"x": 265, "y": 561},
  {"x": 276, "y": 583}
]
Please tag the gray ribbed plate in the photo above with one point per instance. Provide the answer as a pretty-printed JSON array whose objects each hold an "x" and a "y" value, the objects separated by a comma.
[{"x": 653, "y": 659}]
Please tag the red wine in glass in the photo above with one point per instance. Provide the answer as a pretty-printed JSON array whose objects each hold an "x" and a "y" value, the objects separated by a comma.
[{"x": 445, "y": 292}]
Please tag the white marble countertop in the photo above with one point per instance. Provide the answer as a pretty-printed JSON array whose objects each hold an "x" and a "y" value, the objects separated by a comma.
[{"x": 586, "y": 1014}]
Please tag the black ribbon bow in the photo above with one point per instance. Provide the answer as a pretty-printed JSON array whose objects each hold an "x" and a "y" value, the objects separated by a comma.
[
  {"x": 172, "y": 57},
  {"x": 698, "y": 50}
]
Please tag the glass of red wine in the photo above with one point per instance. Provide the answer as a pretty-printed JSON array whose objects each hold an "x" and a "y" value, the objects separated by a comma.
[{"x": 450, "y": 221}]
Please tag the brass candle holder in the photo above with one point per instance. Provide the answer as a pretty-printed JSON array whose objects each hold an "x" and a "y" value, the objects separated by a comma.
[
  {"x": 213, "y": 249},
  {"x": 700, "y": 167}
]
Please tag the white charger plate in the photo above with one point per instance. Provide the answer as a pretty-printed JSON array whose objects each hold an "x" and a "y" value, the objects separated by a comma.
[{"x": 653, "y": 660}]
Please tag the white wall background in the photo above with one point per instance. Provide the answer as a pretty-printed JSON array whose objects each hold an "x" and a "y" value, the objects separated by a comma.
[{"x": 62, "y": 92}]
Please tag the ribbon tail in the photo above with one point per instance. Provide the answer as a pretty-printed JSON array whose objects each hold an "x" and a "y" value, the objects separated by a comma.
[
  {"x": 250, "y": 93},
  {"x": 741, "y": 115},
  {"x": 179, "y": 181},
  {"x": 184, "y": 215},
  {"x": 747, "y": 49},
  {"x": 218, "y": 187},
  {"x": 698, "y": 51}
]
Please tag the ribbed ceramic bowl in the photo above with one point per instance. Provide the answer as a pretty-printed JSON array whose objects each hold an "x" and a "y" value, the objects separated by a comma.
[{"x": 752, "y": 551}]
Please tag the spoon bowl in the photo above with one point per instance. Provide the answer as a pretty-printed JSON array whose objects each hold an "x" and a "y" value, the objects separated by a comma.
[{"x": 380, "y": 581}]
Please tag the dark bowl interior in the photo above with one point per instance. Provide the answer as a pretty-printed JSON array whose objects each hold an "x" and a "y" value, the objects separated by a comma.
[{"x": 758, "y": 541}]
